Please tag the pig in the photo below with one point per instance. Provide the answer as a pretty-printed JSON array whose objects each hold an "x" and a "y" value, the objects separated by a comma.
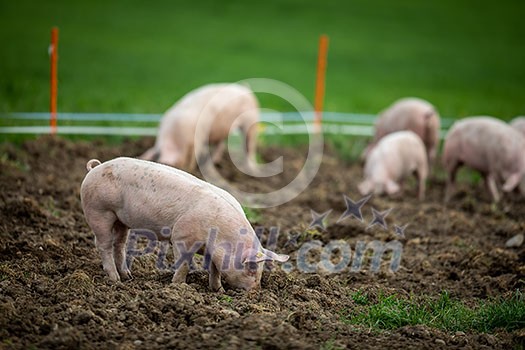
[
  {"x": 127, "y": 193},
  {"x": 413, "y": 114},
  {"x": 204, "y": 117},
  {"x": 518, "y": 123},
  {"x": 395, "y": 156},
  {"x": 488, "y": 145}
]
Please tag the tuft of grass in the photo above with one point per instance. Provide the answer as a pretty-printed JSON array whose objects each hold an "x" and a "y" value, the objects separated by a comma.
[
  {"x": 348, "y": 148},
  {"x": 445, "y": 313},
  {"x": 360, "y": 298},
  {"x": 253, "y": 215},
  {"x": 226, "y": 298}
]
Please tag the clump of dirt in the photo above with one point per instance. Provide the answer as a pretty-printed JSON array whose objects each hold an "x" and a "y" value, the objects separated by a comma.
[{"x": 54, "y": 293}]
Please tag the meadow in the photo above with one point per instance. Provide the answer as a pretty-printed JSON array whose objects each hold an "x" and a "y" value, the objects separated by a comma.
[{"x": 140, "y": 57}]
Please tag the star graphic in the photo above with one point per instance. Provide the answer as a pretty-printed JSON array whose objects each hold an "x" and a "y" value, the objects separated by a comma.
[
  {"x": 354, "y": 208},
  {"x": 400, "y": 230},
  {"x": 379, "y": 218},
  {"x": 292, "y": 240},
  {"x": 319, "y": 219}
]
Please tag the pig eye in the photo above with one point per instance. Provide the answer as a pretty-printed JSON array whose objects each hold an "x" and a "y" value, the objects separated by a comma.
[{"x": 251, "y": 266}]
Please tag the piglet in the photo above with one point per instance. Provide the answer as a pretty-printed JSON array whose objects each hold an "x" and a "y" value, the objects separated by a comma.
[
  {"x": 412, "y": 114},
  {"x": 204, "y": 117},
  {"x": 395, "y": 157},
  {"x": 127, "y": 193},
  {"x": 489, "y": 146}
]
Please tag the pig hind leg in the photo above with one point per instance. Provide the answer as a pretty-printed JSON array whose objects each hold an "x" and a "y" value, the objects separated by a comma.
[
  {"x": 152, "y": 154},
  {"x": 218, "y": 152},
  {"x": 421, "y": 175},
  {"x": 102, "y": 227},
  {"x": 452, "y": 169},
  {"x": 120, "y": 232},
  {"x": 490, "y": 182}
]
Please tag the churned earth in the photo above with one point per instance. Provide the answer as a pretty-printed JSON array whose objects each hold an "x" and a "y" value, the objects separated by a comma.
[{"x": 54, "y": 293}]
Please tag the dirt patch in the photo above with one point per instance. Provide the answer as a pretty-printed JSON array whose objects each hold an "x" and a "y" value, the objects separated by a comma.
[{"x": 54, "y": 293}]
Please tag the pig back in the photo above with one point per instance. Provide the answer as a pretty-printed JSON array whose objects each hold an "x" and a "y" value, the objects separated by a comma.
[
  {"x": 149, "y": 195},
  {"x": 487, "y": 144},
  {"x": 412, "y": 114}
]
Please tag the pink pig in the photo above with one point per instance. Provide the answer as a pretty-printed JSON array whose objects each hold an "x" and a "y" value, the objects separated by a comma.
[
  {"x": 395, "y": 157},
  {"x": 127, "y": 193},
  {"x": 489, "y": 146},
  {"x": 204, "y": 117},
  {"x": 412, "y": 114},
  {"x": 518, "y": 123}
]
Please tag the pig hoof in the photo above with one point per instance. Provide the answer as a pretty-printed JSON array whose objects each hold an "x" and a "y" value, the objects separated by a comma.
[
  {"x": 219, "y": 290},
  {"x": 178, "y": 279},
  {"x": 114, "y": 277},
  {"x": 126, "y": 275}
]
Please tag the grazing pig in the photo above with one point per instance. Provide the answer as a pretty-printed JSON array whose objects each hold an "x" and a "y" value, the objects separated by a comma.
[
  {"x": 395, "y": 156},
  {"x": 518, "y": 123},
  {"x": 412, "y": 114},
  {"x": 489, "y": 146},
  {"x": 127, "y": 193},
  {"x": 204, "y": 117}
]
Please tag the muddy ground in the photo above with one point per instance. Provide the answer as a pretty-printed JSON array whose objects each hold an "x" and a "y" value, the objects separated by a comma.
[{"x": 54, "y": 293}]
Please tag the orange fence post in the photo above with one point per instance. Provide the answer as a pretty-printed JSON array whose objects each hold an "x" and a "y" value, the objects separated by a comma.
[
  {"x": 320, "y": 82},
  {"x": 53, "y": 52}
]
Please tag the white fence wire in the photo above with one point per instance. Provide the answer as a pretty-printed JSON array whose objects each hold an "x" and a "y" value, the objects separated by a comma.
[{"x": 286, "y": 123}]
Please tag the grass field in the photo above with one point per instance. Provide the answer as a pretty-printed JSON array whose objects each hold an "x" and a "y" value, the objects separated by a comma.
[{"x": 135, "y": 56}]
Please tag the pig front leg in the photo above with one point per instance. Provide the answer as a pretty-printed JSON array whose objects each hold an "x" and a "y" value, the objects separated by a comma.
[
  {"x": 215, "y": 279},
  {"x": 184, "y": 246}
]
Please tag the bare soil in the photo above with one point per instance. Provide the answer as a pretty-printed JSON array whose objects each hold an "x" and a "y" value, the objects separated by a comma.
[{"x": 54, "y": 293}]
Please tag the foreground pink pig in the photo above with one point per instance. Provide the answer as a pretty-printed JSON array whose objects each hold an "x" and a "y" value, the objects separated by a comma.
[
  {"x": 489, "y": 146},
  {"x": 127, "y": 193},
  {"x": 204, "y": 117},
  {"x": 412, "y": 114},
  {"x": 518, "y": 123},
  {"x": 395, "y": 157}
]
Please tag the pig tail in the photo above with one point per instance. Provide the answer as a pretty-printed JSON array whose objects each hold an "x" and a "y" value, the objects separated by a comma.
[{"x": 92, "y": 164}]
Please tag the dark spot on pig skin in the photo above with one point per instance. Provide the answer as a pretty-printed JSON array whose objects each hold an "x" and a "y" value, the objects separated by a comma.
[{"x": 108, "y": 173}]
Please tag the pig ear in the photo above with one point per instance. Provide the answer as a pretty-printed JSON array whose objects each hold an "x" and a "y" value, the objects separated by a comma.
[
  {"x": 274, "y": 256},
  {"x": 254, "y": 256}
]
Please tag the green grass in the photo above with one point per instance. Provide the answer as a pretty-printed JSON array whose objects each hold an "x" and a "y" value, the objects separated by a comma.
[
  {"x": 254, "y": 216},
  {"x": 445, "y": 313},
  {"x": 135, "y": 56}
]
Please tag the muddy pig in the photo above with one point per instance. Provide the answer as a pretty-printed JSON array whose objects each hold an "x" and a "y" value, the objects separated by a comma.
[
  {"x": 412, "y": 114},
  {"x": 204, "y": 117},
  {"x": 127, "y": 193},
  {"x": 489, "y": 146},
  {"x": 518, "y": 123},
  {"x": 395, "y": 157}
]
